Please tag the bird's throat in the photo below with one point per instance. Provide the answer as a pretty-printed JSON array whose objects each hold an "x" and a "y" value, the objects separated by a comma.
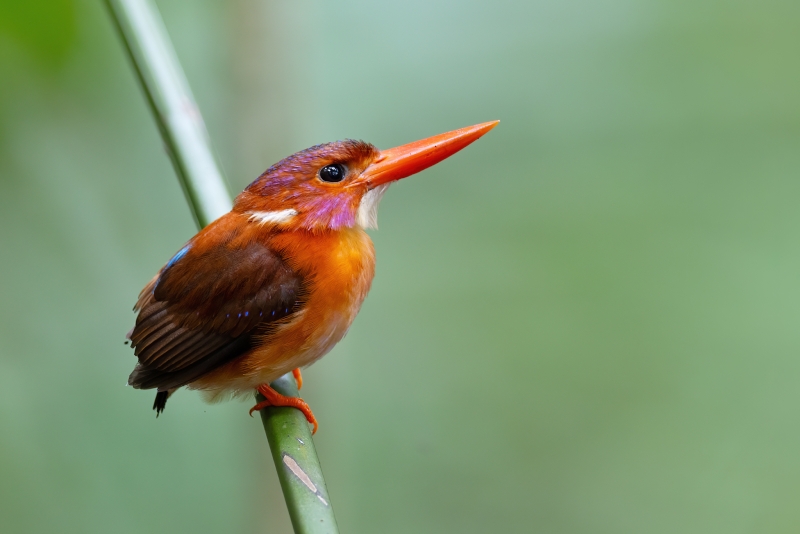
[{"x": 367, "y": 216}]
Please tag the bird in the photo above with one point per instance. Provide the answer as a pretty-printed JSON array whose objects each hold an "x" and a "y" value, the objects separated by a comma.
[{"x": 271, "y": 286}]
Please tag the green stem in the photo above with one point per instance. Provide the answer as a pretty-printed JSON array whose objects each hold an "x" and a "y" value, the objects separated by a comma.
[
  {"x": 186, "y": 139},
  {"x": 173, "y": 107},
  {"x": 297, "y": 464}
]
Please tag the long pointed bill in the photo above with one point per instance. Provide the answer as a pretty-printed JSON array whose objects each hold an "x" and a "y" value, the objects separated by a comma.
[{"x": 405, "y": 160}]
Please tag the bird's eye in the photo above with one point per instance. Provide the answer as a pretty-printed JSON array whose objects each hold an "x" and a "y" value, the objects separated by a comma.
[{"x": 332, "y": 173}]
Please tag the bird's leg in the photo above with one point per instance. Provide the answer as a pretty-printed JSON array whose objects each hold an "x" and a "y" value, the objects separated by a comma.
[
  {"x": 298, "y": 377},
  {"x": 273, "y": 398}
]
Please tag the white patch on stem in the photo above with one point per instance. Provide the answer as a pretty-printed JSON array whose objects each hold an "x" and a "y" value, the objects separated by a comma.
[{"x": 367, "y": 216}]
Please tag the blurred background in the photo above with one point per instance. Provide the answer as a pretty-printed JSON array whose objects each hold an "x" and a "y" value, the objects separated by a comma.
[{"x": 587, "y": 322}]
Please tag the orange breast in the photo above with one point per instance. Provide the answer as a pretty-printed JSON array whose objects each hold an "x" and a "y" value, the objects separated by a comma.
[{"x": 338, "y": 268}]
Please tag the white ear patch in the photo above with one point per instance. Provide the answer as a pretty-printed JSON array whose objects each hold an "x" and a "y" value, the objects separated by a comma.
[
  {"x": 271, "y": 217},
  {"x": 367, "y": 216}
]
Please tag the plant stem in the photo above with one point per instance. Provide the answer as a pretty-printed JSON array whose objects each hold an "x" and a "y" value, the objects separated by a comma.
[
  {"x": 173, "y": 107},
  {"x": 297, "y": 464},
  {"x": 187, "y": 143}
]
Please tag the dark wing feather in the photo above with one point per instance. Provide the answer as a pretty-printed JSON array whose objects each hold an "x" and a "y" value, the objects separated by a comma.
[{"x": 204, "y": 309}]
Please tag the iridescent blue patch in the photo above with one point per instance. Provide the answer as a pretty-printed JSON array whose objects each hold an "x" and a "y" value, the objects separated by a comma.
[{"x": 181, "y": 253}]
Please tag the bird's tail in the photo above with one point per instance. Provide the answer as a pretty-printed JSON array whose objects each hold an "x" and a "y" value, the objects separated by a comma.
[{"x": 161, "y": 400}]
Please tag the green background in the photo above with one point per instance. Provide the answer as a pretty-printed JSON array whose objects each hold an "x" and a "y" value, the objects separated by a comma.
[{"x": 587, "y": 322}]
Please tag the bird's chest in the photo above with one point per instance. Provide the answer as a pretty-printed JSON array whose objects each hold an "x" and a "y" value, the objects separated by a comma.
[{"x": 338, "y": 269}]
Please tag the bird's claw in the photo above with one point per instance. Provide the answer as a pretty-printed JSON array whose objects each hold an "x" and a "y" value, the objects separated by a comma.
[{"x": 273, "y": 398}]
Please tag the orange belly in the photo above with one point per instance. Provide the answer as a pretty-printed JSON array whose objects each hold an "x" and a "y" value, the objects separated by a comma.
[{"x": 338, "y": 268}]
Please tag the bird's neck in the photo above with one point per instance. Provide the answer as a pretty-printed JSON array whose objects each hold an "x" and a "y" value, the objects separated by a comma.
[{"x": 339, "y": 257}]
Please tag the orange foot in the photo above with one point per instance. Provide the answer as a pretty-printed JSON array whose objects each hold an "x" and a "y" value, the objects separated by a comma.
[
  {"x": 276, "y": 399},
  {"x": 298, "y": 378}
]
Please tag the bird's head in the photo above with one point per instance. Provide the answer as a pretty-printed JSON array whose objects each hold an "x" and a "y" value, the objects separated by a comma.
[{"x": 339, "y": 185}]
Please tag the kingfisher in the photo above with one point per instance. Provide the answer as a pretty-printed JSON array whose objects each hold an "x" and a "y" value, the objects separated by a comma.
[{"x": 271, "y": 286}]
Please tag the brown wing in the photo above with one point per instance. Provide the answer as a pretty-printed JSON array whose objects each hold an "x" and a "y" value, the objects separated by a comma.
[{"x": 205, "y": 308}]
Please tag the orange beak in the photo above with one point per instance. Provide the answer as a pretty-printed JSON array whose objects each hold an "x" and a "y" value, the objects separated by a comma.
[{"x": 405, "y": 160}]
